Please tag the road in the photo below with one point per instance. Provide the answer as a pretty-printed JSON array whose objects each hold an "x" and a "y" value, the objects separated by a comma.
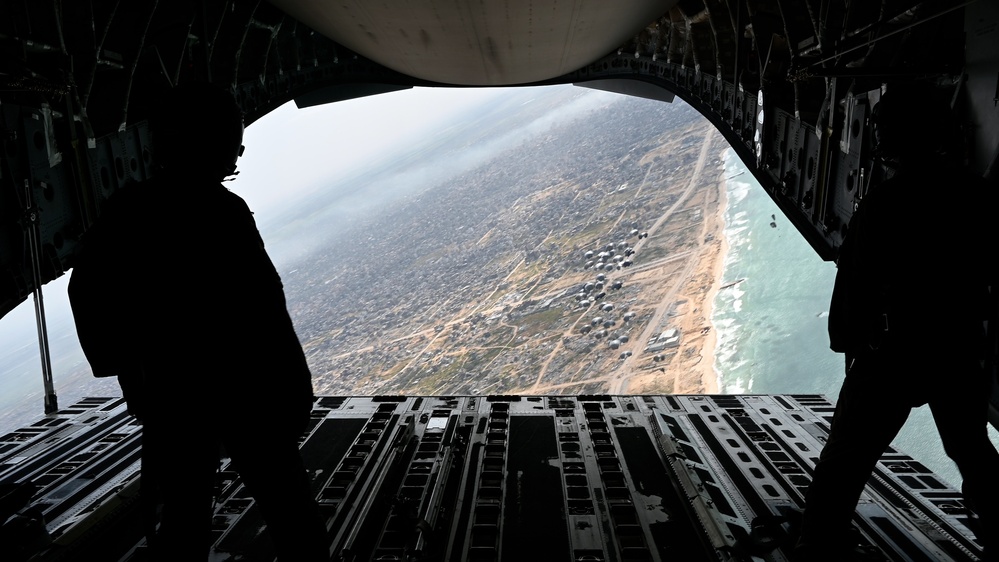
[{"x": 619, "y": 383}]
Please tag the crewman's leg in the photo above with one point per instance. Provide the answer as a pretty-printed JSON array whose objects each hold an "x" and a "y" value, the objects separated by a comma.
[
  {"x": 271, "y": 467},
  {"x": 180, "y": 462},
  {"x": 960, "y": 410},
  {"x": 868, "y": 416}
]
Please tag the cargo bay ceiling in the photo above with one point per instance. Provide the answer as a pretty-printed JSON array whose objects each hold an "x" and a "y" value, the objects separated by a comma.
[{"x": 789, "y": 83}]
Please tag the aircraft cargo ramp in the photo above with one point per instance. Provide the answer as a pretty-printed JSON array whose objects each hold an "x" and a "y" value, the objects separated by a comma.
[{"x": 505, "y": 478}]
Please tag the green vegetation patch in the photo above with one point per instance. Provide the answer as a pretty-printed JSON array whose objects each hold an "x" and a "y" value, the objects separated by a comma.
[
  {"x": 650, "y": 254},
  {"x": 388, "y": 374},
  {"x": 479, "y": 358},
  {"x": 499, "y": 335},
  {"x": 428, "y": 383},
  {"x": 594, "y": 232},
  {"x": 539, "y": 321}
]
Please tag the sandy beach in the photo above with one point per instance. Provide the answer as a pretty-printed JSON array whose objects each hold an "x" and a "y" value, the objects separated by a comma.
[
  {"x": 701, "y": 377},
  {"x": 710, "y": 377}
]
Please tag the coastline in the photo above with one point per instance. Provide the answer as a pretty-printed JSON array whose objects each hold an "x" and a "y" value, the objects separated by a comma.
[
  {"x": 713, "y": 265},
  {"x": 691, "y": 369},
  {"x": 696, "y": 370},
  {"x": 711, "y": 376}
]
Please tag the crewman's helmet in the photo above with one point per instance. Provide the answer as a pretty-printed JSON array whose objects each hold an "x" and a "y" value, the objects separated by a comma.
[{"x": 197, "y": 128}]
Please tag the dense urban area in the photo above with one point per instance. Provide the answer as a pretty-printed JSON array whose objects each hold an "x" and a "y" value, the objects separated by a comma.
[{"x": 569, "y": 263}]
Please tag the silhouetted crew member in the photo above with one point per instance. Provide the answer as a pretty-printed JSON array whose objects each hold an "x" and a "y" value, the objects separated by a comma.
[
  {"x": 174, "y": 294},
  {"x": 908, "y": 305}
]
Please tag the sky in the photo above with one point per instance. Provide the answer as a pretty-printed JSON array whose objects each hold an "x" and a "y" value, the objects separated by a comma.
[{"x": 279, "y": 164}]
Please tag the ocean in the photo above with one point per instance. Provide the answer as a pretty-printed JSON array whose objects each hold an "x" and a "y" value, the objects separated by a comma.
[{"x": 771, "y": 326}]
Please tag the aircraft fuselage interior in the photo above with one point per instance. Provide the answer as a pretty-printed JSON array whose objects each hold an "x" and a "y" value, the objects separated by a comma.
[{"x": 790, "y": 85}]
